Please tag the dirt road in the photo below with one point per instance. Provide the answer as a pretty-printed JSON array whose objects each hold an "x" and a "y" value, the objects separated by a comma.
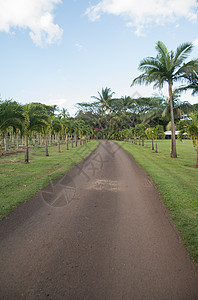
[{"x": 101, "y": 232}]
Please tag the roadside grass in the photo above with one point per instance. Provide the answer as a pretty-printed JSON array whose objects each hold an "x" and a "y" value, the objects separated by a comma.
[
  {"x": 177, "y": 183},
  {"x": 20, "y": 181}
]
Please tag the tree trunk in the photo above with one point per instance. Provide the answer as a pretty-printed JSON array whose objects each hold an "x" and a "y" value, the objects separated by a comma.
[
  {"x": 152, "y": 145},
  {"x": 26, "y": 150},
  {"x": 58, "y": 146},
  {"x": 67, "y": 146},
  {"x": 17, "y": 141},
  {"x": 156, "y": 146},
  {"x": 173, "y": 141},
  {"x": 5, "y": 143},
  {"x": 46, "y": 147},
  {"x": 76, "y": 141}
]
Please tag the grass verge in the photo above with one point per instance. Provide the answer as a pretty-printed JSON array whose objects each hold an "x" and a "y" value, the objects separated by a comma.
[
  {"x": 177, "y": 183},
  {"x": 20, "y": 181}
]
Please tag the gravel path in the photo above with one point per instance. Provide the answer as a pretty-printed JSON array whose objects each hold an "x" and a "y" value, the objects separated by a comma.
[{"x": 101, "y": 232}]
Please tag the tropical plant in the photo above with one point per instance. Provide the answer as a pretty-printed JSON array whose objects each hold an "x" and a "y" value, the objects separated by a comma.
[
  {"x": 35, "y": 118},
  {"x": 150, "y": 135},
  {"x": 158, "y": 132},
  {"x": 104, "y": 99},
  {"x": 167, "y": 67}
]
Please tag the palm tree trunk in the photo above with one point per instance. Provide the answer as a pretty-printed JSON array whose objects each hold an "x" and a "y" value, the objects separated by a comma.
[
  {"x": 76, "y": 140},
  {"x": 152, "y": 145},
  {"x": 173, "y": 141},
  {"x": 67, "y": 146},
  {"x": 17, "y": 141},
  {"x": 46, "y": 147},
  {"x": 156, "y": 146},
  {"x": 26, "y": 150},
  {"x": 5, "y": 143}
]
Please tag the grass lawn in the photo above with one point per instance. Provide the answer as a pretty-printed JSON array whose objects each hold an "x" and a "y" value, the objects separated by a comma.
[
  {"x": 177, "y": 182},
  {"x": 20, "y": 181}
]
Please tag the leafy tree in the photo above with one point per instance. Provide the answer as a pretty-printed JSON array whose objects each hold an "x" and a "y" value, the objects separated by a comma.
[
  {"x": 104, "y": 99},
  {"x": 167, "y": 67},
  {"x": 35, "y": 118},
  {"x": 158, "y": 132},
  {"x": 150, "y": 135}
]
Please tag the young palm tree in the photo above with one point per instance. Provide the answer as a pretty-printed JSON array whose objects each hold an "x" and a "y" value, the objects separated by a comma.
[
  {"x": 167, "y": 67},
  {"x": 35, "y": 118}
]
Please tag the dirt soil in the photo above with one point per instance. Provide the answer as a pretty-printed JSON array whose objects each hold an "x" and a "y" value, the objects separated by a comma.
[{"x": 101, "y": 232}]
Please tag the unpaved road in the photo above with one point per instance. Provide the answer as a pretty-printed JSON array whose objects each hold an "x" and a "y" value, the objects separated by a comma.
[{"x": 101, "y": 232}]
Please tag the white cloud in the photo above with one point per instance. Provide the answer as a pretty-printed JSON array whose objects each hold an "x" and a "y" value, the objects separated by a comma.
[
  {"x": 79, "y": 46},
  {"x": 35, "y": 15},
  {"x": 141, "y": 13}
]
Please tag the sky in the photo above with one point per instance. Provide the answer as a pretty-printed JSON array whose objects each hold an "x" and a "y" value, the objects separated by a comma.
[{"x": 64, "y": 51}]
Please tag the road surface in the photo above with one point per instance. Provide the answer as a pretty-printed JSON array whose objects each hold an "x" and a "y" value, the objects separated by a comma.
[{"x": 101, "y": 232}]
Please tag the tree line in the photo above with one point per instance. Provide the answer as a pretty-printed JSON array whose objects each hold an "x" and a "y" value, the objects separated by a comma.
[{"x": 117, "y": 118}]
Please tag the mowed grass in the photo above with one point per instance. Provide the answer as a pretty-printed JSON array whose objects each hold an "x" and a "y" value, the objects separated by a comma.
[
  {"x": 177, "y": 182},
  {"x": 20, "y": 181}
]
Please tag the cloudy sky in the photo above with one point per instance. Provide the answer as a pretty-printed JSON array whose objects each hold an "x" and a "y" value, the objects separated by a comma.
[{"x": 64, "y": 51}]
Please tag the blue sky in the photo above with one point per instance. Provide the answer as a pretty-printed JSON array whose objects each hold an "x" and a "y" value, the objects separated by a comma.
[{"x": 63, "y": 52}]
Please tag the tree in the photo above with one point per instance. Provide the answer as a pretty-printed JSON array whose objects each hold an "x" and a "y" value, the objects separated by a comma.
[
  {"x": 56, "y": 129},
  {"x": 35, "y": 118},
  {"x": 158, "y": 132},
  {"x": 167, "y": 67},
  {"x": 150, "y": 135},
  {"x": 104, "y": 98}
]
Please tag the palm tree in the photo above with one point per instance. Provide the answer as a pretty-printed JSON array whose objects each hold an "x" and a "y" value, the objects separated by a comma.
[
  {"x": 167, "y": 67},
  {"x": 158, "y": 132},
  {"x": 192, "y": 83},
  {"x": 35, "y": 118},
  {"x": 56, "y": 129},
  {"x": 150, "y": 135},
  {"x": 104, "y": 98}
]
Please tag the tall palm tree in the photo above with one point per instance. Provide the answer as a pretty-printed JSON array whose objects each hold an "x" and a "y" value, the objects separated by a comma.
[
  {"x": 104, "y": 98},
  {"x": 167, "y": 67}
]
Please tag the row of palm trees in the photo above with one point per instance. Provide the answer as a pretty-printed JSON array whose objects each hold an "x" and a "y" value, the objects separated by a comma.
[{"x": 27, "y": 120}]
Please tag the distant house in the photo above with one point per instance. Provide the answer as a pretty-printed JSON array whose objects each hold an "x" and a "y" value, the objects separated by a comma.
[{"x": 168, "y": 134}]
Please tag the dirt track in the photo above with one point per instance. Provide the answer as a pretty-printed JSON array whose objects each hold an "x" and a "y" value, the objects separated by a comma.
[{"x": 101, "y": 232}]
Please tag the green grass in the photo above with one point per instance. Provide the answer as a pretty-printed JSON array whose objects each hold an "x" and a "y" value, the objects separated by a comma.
[
  {"x": 177, "y": 182},
  {"x": 20, "y": 181}
]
